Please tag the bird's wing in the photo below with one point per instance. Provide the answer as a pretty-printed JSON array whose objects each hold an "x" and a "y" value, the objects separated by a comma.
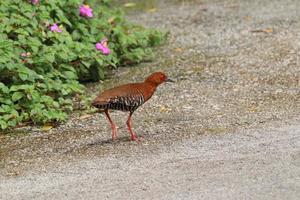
[{"x": 117, "y": 93}]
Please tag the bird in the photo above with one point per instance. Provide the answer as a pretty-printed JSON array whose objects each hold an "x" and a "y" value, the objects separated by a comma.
[{"x": 128, "y": 98}]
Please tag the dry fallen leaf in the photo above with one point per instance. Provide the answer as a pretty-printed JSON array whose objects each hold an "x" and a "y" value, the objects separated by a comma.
[
  {"x": 85, "y": 116},
  {"x": 152, "y": 10},
  {"x": 47, "y": 127},
  {"x": 178, "y": 49},
  {"x": 164, "y": 109},
  {"x": 129, "y": 4},
  {"x": 247, "y": 18},
  {"x": 111, "y": 20},
  {"x": 267, "y": 30},
  {"x": 21, "y": 125},
  {"x": 253, "y": 109}
]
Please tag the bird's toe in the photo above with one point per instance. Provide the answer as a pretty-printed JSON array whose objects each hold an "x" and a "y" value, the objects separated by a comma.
[{"x": 137, "y": 139}]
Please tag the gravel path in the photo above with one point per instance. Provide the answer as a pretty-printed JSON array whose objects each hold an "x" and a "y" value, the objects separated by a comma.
[
  {"x": 228, "y": 128},
  {"x": 253, "y": 164}
]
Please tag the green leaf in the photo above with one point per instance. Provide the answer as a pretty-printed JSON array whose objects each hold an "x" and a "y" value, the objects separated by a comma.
[
  {"x": 40, "y": 69},
  {"x": 21, "y": 87},
  {"x": 12, "y": 122},
  {"x": 99, "y": 61},
  {"x": 16, "y": 96},
  {"x": 85, "y": 63},
  {"x": 5, "y": 43},
  {"x": 4, "y": 88},
  {"x": 23, "y": 76},
  {"x": 50, "y": 57},
  {"x": 5, "y": 100},
  {"x": 35, "y": 48},
  {"x": 3, "y": 124},
  {"x": 5, "y": 109},
  {"x": 70, "y": 74}
]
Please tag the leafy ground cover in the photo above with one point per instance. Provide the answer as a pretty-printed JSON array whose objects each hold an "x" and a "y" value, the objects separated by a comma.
[{"x": 47, "y": 48}]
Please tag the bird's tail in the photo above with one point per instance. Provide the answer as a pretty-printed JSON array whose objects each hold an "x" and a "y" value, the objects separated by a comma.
[{"x": 100, "y": 104}]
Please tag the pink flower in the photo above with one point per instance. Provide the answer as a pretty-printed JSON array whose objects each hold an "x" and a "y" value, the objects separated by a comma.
[
  {"x": 55, "y": 28},
  {"x": 85, "y": 11},
  {"x": 103, "y": 47},
  {"x": 25, "y": 54},
  {"x": 34, "y": 2}
]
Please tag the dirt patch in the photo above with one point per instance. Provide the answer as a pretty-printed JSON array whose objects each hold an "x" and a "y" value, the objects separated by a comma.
[{"x": 228, "y": 77}]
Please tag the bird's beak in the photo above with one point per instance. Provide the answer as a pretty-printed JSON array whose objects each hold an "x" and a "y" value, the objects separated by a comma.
[{"x": 169, "y": 80}]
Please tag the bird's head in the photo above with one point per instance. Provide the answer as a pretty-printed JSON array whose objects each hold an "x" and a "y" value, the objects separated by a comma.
[{"x": 157, "y": 78}]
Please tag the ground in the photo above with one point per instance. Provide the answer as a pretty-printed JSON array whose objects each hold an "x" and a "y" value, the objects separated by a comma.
[{"x": 227, "y": 129}]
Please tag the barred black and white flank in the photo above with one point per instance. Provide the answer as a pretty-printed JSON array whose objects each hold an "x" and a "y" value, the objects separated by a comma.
[
  {"x": 123, "y": 103},
  {"x": 128, "y": 98}
]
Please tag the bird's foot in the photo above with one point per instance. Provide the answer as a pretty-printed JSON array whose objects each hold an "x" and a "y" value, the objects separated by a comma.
[
  {"x": 113, "y": 138},
  {"x": 137, "y": 139}
]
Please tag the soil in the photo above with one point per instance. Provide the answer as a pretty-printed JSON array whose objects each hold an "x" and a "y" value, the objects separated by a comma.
[{"x": 228, "y": 128}]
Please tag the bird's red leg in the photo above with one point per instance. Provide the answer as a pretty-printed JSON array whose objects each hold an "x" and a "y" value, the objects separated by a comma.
[
  {"x": 113, "y": 126},
  {"x": 132, "y": 134}
]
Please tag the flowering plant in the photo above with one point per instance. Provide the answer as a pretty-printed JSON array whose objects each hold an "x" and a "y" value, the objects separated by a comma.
[
  {"x": 85, "y": 11},
  {"x": 57, "y": 47},
  {"x": 55, "y": 28},
  {"x": 103, "y": 47},
  {"x": 34, "y": 2}
]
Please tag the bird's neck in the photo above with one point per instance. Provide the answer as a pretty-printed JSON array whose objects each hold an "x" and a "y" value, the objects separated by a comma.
[
  {"x": 149, "y": 89},
  {"x": 151, "y": 83},
  {"x": 151, "y": 86}
]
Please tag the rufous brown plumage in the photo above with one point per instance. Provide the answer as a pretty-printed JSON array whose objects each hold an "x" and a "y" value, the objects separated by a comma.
[{"x": 128, "y": 98}]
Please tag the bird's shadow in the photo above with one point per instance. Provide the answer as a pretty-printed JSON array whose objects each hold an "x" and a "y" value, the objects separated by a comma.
[
  {"x": 98, "y": 144},
  {"x": 119, "y": 140}
]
